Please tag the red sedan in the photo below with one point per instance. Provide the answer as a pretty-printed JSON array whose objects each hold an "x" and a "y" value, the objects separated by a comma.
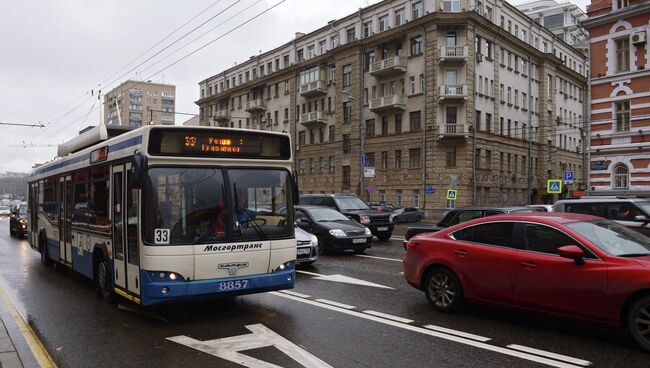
[{"x": 569, "y": 265}]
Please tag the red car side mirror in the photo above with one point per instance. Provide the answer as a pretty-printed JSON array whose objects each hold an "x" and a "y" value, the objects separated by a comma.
[{"x": 572, "y": 252}]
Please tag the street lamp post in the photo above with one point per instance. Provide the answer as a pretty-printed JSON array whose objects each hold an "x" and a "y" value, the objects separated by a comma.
[{"x": 362, "y": 142}]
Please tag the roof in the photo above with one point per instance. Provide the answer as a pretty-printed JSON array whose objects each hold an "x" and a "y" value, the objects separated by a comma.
[
  {"x": 486, "y": 208},
  {"x": 603, "y": 199},
  {"x": 557, "y": 217}
]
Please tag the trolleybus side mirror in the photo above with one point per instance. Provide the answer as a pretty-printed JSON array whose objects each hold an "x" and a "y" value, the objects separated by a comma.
[
  {"x": 296, "y": 194},
  {"x": 138, "y": 169}
]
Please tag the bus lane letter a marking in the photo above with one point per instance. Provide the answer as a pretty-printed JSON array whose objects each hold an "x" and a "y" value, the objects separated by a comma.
[{"x": 261, "y": 337}]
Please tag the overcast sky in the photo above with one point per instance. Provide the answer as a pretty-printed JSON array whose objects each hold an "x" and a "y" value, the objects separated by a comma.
[{"x": 54, "y": 52}]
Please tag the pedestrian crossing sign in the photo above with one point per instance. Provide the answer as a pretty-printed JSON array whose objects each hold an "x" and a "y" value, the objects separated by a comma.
[
  {"x": 554, "y": 187},
  {"x": 452, "y": 194}
]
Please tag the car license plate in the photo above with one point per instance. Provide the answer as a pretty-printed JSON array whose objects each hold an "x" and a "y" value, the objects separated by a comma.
[
  {"x": 303, "y": 251},
  {"x": 359, "y": 241},
  {"x": 233, "y": 285},
  {"x": 383, "y": 228}
]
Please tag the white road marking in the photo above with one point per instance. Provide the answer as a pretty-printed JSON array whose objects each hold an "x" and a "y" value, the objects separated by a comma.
[
  {"x": 382, "y": 258},
  {"x": 458, "y": 333},
  {"x": 261, "y": 337},
  {"x": 299, "y": 295},
  {"x": 388, "y": 316},
  {"x": 336, "y": 304},
  {"x": 344, "y": 279},
  {"x": 565, "y": 358},
  {"x": 458, "y": 339},
  {"x": 397, "y": 238}
]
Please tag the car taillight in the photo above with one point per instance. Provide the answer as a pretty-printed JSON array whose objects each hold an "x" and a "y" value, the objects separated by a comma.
[{"x": 411, "y": 244}]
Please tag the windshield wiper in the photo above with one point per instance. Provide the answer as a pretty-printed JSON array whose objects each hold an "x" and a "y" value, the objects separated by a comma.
[{"x": 634, "y": 255}]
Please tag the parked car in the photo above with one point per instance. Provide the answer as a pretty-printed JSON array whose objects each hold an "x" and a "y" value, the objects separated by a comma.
[
  {"x": 356, "y": 209},
  {"x": 628, "y": 211},
  {"x": 570, "y": 265},
  {"x": 382, "y": 206},
  {"x": 4, "y": 211},
  {"x": 458, "y": 215},
  {"x": 18, "y": 221},
  {"x": 542, "y": 207},
  {"x": 406, "y": 214},
  {"x": 333, "y": 230},
  {"x": 307, "y": 247}
]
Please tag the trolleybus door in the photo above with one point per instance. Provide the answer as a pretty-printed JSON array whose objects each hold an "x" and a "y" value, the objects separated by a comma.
[
  {"x": 64, "y": 196},
  {"x": 117, "y": 221},
  {"x": 126, "y": 252}
]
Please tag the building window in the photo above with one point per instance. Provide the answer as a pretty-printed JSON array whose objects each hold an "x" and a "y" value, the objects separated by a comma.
[
  {"x": 622, "y": 116},
  {"x": 383, "y": 23},
  {"x": 347, "y": 77},
  {"x": 451, "y": 6},
  {"x": 384, "y": 125},
  {"x": 398, "y": 124},
  {"x": 351, "y": 35},
  {"x": 398, "y": 198},
  {"x": 301, "y": 138},
  {"x": 488, "y": 160},
  {"x": 347, "y": 144},
  {"x": 384, "y": 160},
  {"x": 332, "y": 133},
  {"x": 416, "y": 46},
  {"x": 620, "y": 179},
  {"x": 367, "y": 29},
  {"x": 370, "y": 128},
  {"x": 321, "y": 165},
  {"x": 415, "y": 124},
  {"x": 450, "y": 155},
  {"x": 414, "y": 158},
  {"x": 417, "y": 10},
  {"x": 622, "y": 54},
  {"x": 451, "y": 115},
  {"x": 301, "y": 166},
  {"x": 371, "y": 159},
  {"x": 621, "y": 4},
  {"x": 416, "y": 198},
  {"x": 398, "y": 159},
  {"x": 347, "y": 112},
  {"x": 322, "y": 47},
  {"x": 311, "y": 136},
  {"x": 300, "y": 55},
  {"x": 335, "y": 40},
  {"x": 332, "y": 164},
  {"x": 346, "y": 177},
  {"x": 400, "y": 17}
]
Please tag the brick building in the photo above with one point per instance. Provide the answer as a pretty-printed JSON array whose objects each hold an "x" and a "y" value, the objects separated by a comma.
[
  {"x": 404, "y": 83},
  {"x": 620, "y": 96}
]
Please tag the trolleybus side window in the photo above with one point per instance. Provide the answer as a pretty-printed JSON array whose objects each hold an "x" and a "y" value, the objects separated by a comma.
[
  {"x": 80, "y": 209},
  {"x": 98, "y": 206}
]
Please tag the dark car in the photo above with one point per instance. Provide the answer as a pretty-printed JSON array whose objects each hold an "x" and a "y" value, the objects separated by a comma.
[
  {"x": 458, "y": 215},
  {"x": 406, "y": 214},
  {"x": 18, "y": 221},
  {"x": 333, "y": 230},
  {"x": 561, "y": 264},
  {"x": 356, "y": 209}
]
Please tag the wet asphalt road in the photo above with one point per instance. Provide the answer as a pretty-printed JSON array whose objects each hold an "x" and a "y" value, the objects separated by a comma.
[{"x": 80, "y": 330}]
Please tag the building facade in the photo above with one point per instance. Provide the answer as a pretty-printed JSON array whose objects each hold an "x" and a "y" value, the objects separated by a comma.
[
  {"x": 620, "y": 96},
  {"x": 561, "y": 18},
  {"x": 136, "y": 103},
  {"x": 407, "y": 99}
]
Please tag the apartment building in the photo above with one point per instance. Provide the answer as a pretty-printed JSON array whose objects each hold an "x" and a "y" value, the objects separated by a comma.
[
  {"x": 620, "y": 96},
  {"x": 137, "y": 102},
  {"x": 406, "y": 99},
  {"x": 561, "y": 18}
]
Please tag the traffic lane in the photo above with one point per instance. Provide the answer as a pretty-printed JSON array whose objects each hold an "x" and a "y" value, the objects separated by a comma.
[
  {"x": 79, "y": 329},
  {"x": 502, "y": 325}
]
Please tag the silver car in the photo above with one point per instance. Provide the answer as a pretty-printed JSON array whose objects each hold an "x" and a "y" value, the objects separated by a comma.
[
  {"x": 406, "y": 214},
  {"x": 307, "y": 247}
]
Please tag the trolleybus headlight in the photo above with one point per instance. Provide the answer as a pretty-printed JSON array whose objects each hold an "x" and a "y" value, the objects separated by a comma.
[
  {"x": 284, "y": 266},
  {"x": 172, "y": 276},
  {"x": 162, "y": 275},
  {"x": 164, "y": 290}
]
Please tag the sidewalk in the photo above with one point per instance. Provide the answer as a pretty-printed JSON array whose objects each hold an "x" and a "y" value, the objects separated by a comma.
[{"x": 19, "y": 345}]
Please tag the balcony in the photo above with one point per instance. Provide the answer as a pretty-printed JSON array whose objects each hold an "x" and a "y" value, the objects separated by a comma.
[
  {"x": 454, "y": 131},
  {"x": 390, "y": 66},
  {"x": 312, "y": 89},
  {"x": 453, "y": 92},
  {"x": 222, "y": 115},
  {"x": 255, "y": 106},
  {"x": 314, "y": 119},
  {"x": 395, "y": 102},
  {"x": 453, "y": 53}
]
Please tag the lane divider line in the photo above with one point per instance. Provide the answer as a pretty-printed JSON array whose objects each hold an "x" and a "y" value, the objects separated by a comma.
[
  {"x": 336, "y": 304},
  {"x": 36, "y": 346},
  {"x": 388, "y": 316},
  {"x": 458, "y": 333},
  {"x": 549, "y": 354},
  {"x": 396, "y": 238},
  {"x": 441, "y": 335},
  {"x": 382, "y": 258},
  {"x": 294, "y": 293}
]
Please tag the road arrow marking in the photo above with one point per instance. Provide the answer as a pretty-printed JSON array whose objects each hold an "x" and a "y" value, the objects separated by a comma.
[
  {"x": 261, "y": 337},
  {"x": 344, "y": 279}
]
